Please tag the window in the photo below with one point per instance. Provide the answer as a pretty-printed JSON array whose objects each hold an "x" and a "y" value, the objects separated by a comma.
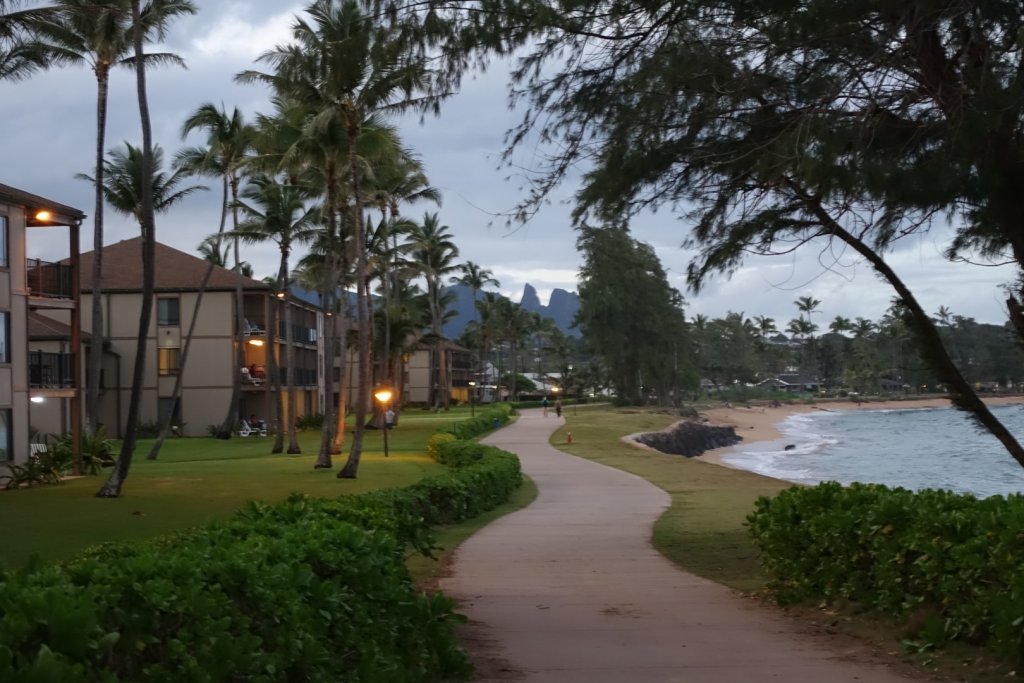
[
  {"x": 167, "y": 311},
  {"x": 5, "y": 337},
  {"x": 3, "y": 242},
  {"x": 168, "y": 359},
  {"x": 6, "y": 439}
]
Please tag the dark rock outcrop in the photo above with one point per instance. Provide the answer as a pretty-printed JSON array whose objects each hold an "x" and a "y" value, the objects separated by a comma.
[{"x": 690, "y": 439}]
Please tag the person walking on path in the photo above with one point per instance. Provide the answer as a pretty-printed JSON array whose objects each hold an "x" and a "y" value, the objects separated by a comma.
[
  {"x": 569, "y": 589},
  {"x": 544, "y": 405},
  {"x": 558, "y": 407}
]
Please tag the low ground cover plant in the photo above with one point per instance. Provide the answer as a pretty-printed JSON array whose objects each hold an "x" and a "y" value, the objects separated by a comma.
[{"x": 947, "y": 563}]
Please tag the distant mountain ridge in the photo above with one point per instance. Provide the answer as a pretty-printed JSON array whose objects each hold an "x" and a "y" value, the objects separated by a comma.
[{"x": 561, "y": 308}]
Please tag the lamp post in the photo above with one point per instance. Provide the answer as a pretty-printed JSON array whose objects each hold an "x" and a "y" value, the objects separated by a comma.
[
  {"x": 472, "y": 407},
  {"x": 576, "y": 400},
  {"x": 383, "y": 395}
]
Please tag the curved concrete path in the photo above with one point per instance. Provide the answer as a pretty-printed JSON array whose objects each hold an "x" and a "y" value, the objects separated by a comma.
[{"x": 569, "y": 589}]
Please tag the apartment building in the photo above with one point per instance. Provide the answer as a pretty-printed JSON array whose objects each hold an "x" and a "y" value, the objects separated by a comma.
[
  {"x": 30, "y": 289},
  {"x": 208, "y": 373}
]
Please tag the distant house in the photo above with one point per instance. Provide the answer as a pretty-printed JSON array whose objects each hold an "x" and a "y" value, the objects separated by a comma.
[
  {"x": 420, "y": 376},
  {"x": 29, "y": 287},
  {"x": 790, "y": 382}
]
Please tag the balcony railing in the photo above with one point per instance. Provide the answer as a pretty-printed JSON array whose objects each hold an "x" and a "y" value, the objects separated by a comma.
[
  {"x": 50, "y": 370},
  {"x": 51, "y": 280}
]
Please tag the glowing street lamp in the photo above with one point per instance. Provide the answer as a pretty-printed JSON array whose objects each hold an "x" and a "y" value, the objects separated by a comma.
[
  {"x": 472, "y": 406},
  {"x": 383, "y": 395}
]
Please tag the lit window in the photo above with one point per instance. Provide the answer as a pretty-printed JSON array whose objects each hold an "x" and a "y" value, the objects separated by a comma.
[
  {"x": 167, "y": 311},
  {"x": 168, "y": 359}
]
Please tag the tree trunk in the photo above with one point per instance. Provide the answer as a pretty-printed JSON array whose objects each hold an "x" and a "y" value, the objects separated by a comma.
[
  {"x": 154, "y": 452},
  {"x": 114, "y": 484},
  {"x": 351, "y": 468},
  {"x": 933, "y": 350},
  {"x": 274, "y": 373},
  {"x": 233, "y": 417},
  {"x": 344, "y": 379},
  {"x": 95, "y": 361},
  {"x": 289, "y": 351}
]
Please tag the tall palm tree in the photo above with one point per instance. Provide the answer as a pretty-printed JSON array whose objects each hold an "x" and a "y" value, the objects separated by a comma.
[
  {"x": 276, "y": 212},
  {"x": 808, "y": 305},
  {"x": 228, "y": 142},
  {"x": 402, "y": 181},
  {"x": 434, "y": 252},
  {"x": 99, "y": 33},
  {"x": 476, "y": 278},
  {"x": 147, "y": 223},
  {"x": 347, "y": 71},
  {"x": 123, "y": 187}
]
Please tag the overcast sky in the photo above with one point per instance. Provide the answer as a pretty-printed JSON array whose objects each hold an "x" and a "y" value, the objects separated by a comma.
[{"x": 50, "y": 135}]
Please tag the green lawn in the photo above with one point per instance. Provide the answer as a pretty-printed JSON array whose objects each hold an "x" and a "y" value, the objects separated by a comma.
[{"x": 198, "y": 480}]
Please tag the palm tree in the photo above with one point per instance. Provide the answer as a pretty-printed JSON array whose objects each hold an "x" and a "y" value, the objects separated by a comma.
[
  {"x": 276, "y": 212},
  {"x": 840, "y": 325},
  {"x": 399, "y": 182},
  {"x": 228, "y": 141},
  {"x": 21, "y": 53},
  {"x": 476, "y": 278},
  {"x": 808, "y": 305},
  {"x": 347, "y": 71},
  {"x": 100, "y": 34},
  {"x": 123, "y": 172},
  {"x": 147, "y": 224},
  {"x": 434, "y": 252}
]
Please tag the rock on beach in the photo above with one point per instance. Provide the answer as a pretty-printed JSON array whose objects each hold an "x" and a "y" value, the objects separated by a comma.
[{"x": 690, "y": 439}]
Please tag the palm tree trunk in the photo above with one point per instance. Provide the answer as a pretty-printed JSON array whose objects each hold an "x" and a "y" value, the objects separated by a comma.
[
  {"x": 323, "y": 460},
  {"x": 165, "y": 424},
  {"x": 112, "y": 487},
  {"x": 154, "y": 452},
  {"x": 289, "y": 351},
  {"x": 351, "y": 468},
  {"x": 232, "y": 418},
  {"x": 344, "y": 380},
  {"x": 95, "y": 361},
  {"x": 274, "y": 372}
]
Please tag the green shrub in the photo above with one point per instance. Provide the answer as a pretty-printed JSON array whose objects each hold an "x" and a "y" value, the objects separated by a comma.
[
  {"x": 304, "y": 590},
  {"x": 485, "y": 421},
  {"x": 950, "y": 556},
  {"x": 310, "y": 421},
  {"x": 435, "y": 441}
]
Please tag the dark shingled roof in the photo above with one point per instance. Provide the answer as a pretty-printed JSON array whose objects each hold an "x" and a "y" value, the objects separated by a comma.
[
  {"x": 13, "y": 195},
  {"x": 41, "y": 328},
  {"x": 175, "y": 270}
]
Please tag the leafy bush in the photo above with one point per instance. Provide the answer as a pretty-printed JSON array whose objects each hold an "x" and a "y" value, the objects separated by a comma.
[
  {"x": 951, "y": 557},
  {"x": 304, "y": 590},
  {"x": 485, "y": 421},
  {"x": 435, "y": 441},
  {"x": 97, "y": 449},
  {"x": 310, "y": 421}
]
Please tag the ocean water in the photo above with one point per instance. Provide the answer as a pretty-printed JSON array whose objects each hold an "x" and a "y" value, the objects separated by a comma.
[{"x": 912, "y": 448}]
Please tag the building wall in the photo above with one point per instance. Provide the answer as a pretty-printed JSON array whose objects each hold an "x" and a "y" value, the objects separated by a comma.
[{"x": 14, "y": 390}]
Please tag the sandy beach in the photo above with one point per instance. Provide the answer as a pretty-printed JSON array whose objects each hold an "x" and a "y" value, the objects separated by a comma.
[{"x": 760, "y": 423}]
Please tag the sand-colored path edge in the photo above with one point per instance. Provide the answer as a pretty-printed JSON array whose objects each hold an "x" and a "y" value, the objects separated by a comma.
[{"x": 570, "y": 589}]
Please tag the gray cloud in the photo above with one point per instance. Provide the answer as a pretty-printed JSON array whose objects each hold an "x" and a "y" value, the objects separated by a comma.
[{"x": 49, "y": 137}]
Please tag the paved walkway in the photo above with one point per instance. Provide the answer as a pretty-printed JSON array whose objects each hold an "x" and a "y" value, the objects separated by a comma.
[{"x": 569, "y": 589}]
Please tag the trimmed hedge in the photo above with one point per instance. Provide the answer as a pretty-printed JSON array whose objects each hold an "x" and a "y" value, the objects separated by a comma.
[
  {"x": 485, "y": 421},
  {"x": 303, "y": 590},
  {"x": 951, "y": 561}
]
